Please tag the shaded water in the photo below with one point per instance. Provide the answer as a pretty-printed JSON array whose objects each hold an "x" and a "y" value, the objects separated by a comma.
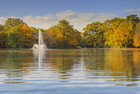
[{"x": 70, "y": 71}]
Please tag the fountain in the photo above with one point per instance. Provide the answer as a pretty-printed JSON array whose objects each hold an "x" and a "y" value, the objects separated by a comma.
[
  {"x": 38, "y": 49},
  {"x": 40, "y": 44}
]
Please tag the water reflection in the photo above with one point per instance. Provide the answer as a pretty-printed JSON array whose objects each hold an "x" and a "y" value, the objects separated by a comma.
[
  {"x": 62, "y": 62},
  {"x": 136, "y": 62},
  {"x": 90, "y": 66},
  {"x": 38, "y": 57},
  {"x": 13, "y": 65},
  {"x": 113, "y": 65}
]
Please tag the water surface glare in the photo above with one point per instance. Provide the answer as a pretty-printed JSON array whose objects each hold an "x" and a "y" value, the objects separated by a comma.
[{"x": 70, "y": 71}]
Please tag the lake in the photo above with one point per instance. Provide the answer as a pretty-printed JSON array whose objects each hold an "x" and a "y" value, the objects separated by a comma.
[{"x": 70, "y": 71}]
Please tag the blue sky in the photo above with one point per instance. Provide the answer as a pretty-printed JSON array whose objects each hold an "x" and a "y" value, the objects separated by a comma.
[{"x": 44, "y": 13}]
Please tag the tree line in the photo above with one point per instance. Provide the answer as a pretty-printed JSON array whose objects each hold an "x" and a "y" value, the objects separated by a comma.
[
  {"x": 15, "y": 34},
  {"x": 117, "y": 32}
]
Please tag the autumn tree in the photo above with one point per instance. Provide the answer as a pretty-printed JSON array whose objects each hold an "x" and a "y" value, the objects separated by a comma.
[
  {"x": 94, "y": 35},
  {"x": 63, "y": 35},
  {"x": 33, "y": 29},
  {"x": 11, "y": 22},
  {"x": 75, "y": 38},
  {"x": 123, "y": 35},
  {"x": 66, "y": 31},
  {"x": 1, "y": 27},
  {"x": 25, "y": 37},
  {"x": 118, "y": 32},
  {"x": 3, "y": 39},
  {"x": 109, "y": 27},
  {"x": 133, "y": 18},
  {"x": 136, "y": 37},
  {"x": 13, "y": 37},
  {"x": 51, "y": 35}
]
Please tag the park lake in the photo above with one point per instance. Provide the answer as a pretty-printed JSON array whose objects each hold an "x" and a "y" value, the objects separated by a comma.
[{"x": 70, "y": 71}]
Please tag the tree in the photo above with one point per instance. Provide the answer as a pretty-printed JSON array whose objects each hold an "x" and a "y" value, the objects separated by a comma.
[
  {"x": 109, "y": 27},
  {"x": 3, "y": 39},
  {"x": 13, "y": 36},
  {"x": 136, "y": 37},
  {"x": 1, "y": 27},
  {"x": 11, "y": 22},
  {"x": 25, "y": 37},
  {"x": 76, "y": 38},
  {"x": 63, "y": 35},
  {"x": 52, "y": 33},
  {"x": 123, "y": 35},
  {"x": 66, "y": 30},
  {"x": 133, "y": 18},
  {"x": 94, "y": 35},
  {"x": 34, "y": 30}
]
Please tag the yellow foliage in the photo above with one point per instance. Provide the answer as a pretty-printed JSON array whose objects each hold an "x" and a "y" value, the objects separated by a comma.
[
  {"x": 136, "y": 38},
  {"x": 123, "y": 34}
]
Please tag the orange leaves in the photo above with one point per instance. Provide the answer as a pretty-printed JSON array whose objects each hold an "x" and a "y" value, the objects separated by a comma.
[
  {"x": 25, "y": 27},
  {"x": 136, "y": 41},
  {"x": 63, "y": 35},
  {"x": 26, "y": 37}
]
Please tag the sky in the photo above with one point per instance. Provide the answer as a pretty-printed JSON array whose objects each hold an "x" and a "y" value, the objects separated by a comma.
[{"x": 45, "y": 13}]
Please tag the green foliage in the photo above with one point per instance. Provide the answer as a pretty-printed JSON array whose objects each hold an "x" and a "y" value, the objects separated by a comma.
[
  {"x": 3, "y": 39},
  {"x": 1, "y": 27},
  {"x": 15, "y": 34},
  {"x": 133, "y": 18},
  {"x": 93, "y": 34},
  {"x": 33, "y": 29},
  {"x": 13, "y": 37},
  {"x": 11, "y": 22}
]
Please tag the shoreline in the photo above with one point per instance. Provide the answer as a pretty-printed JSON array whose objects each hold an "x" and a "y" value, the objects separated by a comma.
[{"x": 72, "y": 48}]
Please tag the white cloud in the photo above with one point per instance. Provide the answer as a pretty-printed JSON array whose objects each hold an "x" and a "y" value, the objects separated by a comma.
[
  {"x": 128, "y": 11},
  {"x": 79, "y": 20},
  {"x": 2, "y": 20},
  {"x": 133, "y": 11},
  {"x": 40, "y": 21}
]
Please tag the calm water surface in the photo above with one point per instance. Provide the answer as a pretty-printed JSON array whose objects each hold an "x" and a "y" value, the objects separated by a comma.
[{"x": 70, "y": 71}]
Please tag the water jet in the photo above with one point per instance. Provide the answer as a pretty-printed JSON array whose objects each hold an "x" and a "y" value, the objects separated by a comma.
[{"x": 40, "y": 44}]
